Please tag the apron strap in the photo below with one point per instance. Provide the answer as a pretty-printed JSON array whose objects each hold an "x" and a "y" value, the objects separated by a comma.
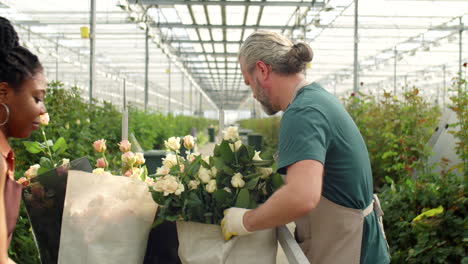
[
  {"x": 379, "y": 212},
  {"x": 368, "y": 209}
]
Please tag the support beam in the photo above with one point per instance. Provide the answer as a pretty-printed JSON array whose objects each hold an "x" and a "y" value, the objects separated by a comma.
[
  {"x": 146, "y": 67},
  {"x": 92, "y": 51},
  {"x": 356, "y": 47},
  {"x": 228, "y": 3}
]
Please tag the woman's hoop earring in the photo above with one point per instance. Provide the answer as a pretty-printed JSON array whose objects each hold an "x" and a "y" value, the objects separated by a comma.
[{"x": 7, "y": 110}]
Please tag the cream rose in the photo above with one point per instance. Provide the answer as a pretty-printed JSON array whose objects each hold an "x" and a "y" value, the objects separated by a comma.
[
  {"x": 204, "y": 175},
  {"x": 237, "y": 181},
  {"x": 257, "y": 156},
  {"x": 231, "y": 133},
  {"x": 170, "y": 161},
  {"x": 44, "y": 119},
  {"x": 173, "y": 143},
  {"x": 32, "y": 171},
  {"x": 211, "y": 186},
  {"x": 140, "y": 158},
  {"x": 163, "y": 170},
  {"x": 193, "y": 184},
  {"x": 266, "y": 172}
]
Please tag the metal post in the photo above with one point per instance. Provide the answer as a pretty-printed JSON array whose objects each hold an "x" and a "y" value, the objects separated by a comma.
[
  {"x": 182, "y": 94},
  {"x": 334, "y": 86},
  {"x": 92, "y": 51},
  {"x": 221, "y": 123},
  {"x": 146, "y": 66},
  {"x": 200, "y": 105},
  {"x": 445, "y": 87},
  {"x": 191, "y": 95},
  {"x": 124, "y": 113},
  {"x": 394, "y": 71},
  {"x": 460, "y": 50},
  {"x": 169, "y": 81},
  {"x": 356, "y": 43},
  {"x": 57, "y": 60}
]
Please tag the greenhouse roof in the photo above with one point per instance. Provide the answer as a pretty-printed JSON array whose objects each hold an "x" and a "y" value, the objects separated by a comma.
[{"x": 193, "y": 45}]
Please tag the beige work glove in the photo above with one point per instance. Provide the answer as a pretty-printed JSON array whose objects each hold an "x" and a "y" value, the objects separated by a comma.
[{"x": 233, "y": 223}]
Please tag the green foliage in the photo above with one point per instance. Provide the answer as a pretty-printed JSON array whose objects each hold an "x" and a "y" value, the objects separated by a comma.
[
  {"x": 269, "y": 128},
  {"x": 151, "y": 129},
  {"x": 460, "y": 107},
  {"x": 209, "y": 187},
  {"x": 439, "y": 238},
  {"x": 395, "y": 131}
]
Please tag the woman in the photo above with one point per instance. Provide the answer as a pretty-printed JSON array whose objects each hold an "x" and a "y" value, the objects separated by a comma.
[{"x": 22, "y": 91}]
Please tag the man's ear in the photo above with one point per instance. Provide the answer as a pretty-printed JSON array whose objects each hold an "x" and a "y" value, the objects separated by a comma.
[
  {"x": 263, "y": 69},
  {"x": 5, "y": 90}
]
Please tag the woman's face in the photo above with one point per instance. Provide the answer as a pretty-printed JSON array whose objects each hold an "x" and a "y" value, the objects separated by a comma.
[{"x": 26, "y": 104}]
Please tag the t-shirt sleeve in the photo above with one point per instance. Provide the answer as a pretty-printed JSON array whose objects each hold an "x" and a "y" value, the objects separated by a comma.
[{"x": 304, "y": 135}]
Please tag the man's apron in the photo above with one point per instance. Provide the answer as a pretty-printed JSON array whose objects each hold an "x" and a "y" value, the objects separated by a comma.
[{"x": 332, "y": 234}]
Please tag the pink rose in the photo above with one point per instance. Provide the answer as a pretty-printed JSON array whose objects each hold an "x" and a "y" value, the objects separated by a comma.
[
  {"x": 100, "y": 145},
  {"x": 125, "y": 146},
  {"x": 24, "y": 181},
  {"x": 189, "y": 142},
  {"x": 101, "y": 163},
  {"x": 44, "y": 119}
]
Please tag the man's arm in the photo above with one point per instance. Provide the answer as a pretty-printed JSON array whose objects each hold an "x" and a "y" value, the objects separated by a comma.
[{"x": 296, "y": 198}]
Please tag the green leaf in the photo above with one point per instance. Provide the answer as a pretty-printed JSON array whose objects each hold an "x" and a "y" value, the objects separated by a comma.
[
  {"x": 252, "y": 183},
  {"x": 46, "y": 163},
  {"x": 429, "y": 213},
  {"x": 60, "y": 146},
  {"x": 144, "y": 173},
  {"x": 42, "y": 170},
  {"x": 277, "y": 180},
  {"x": 226, "y": 152},
  {"x": 243, "y": 199},
  {"x": 32, "y": 147},
  {"x": 220, "y": 196}
]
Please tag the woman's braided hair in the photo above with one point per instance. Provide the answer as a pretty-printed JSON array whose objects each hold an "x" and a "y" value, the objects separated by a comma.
[{"x": 16, "y": 62}]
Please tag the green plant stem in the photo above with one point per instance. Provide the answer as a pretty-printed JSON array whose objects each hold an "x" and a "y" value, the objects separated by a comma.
[{"x": 48, "y": 148}]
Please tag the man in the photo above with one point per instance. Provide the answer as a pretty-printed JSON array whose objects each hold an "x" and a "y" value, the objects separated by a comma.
[{"x": 328, "y": 190}]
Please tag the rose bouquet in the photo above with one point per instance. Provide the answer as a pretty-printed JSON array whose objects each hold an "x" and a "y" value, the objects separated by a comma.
[
  {"x": 44, "y": 191},
  {"x": 104, "y": 213},
  {"x": 199, "y": 188}
]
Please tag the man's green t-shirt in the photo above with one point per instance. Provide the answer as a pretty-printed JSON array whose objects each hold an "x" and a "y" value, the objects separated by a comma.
[{"x": 315, "y": 126}]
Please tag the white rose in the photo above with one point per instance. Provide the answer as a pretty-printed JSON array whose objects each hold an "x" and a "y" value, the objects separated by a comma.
[
  {"x": 32, "y": 171},
  {"x": 65, "y": 162},
  {"x": 170, "y": 185},
  {"x": 193, "y": 184},
  {"x": 180, "y": 189},
  {"x": 204, "y": 175},
  {"x": 257, "y": 156},
  {"x": 163, "y": 170},
  {"x": 236, "y": 146},
  {"x": 101, "y": 171},
  {"x": 211, "y": 186},
  {"x": 170, "y": 161},
  {"x": 266, "y": 172},
  {"x": 237, "y": 181},
  {"x": 214, "y": 171},
  {"x": 173, "y": 144},
  {"x": 231, "y": 133},
  {"x": 140, "y": 158}
]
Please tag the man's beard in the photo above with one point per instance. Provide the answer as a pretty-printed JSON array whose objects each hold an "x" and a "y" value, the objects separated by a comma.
[{"x": 262, "y": 98}]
